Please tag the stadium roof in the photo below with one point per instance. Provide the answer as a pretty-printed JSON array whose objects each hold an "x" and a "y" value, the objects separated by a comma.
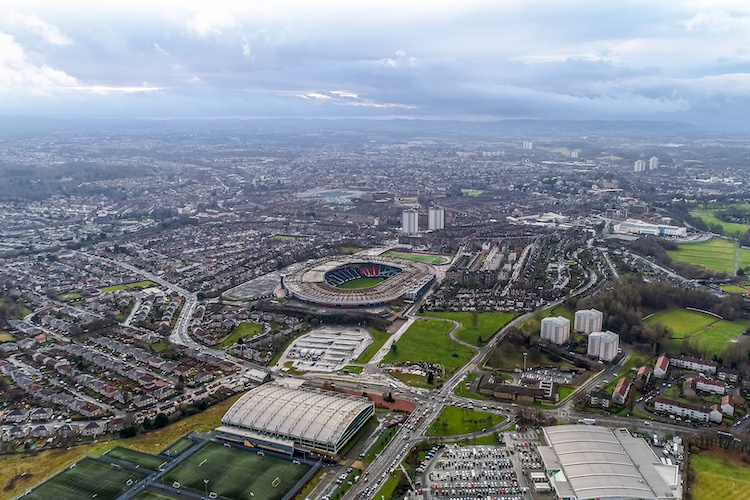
[
  {"x": 597, "y": 462},
  {"x": 309, "y": 283},
  {"x": 304, "y": 416}
]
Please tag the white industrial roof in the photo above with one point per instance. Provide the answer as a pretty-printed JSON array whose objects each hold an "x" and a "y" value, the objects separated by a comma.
[
  {"x": 295, "y": 413},
  {"x": 597, "y": 462}
]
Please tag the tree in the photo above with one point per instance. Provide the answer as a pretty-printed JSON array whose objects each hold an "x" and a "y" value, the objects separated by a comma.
[
  {"x": 393, "y": 347},
  {"x": 161, "y": 420},
  {"x": 430, "y": 377}
]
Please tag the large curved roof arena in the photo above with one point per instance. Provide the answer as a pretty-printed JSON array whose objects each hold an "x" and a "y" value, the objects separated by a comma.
[
  {"x": 320, "y": 281},
  {"x": 315, "y": 420}
]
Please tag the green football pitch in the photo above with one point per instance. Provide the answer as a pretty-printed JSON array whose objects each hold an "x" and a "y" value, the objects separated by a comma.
[
  {"x": 87, "y": 478},
  {"x": 359, "y": 283},
  {"x": 237, "y": 474},
  {"x": 136, "y": 458}
]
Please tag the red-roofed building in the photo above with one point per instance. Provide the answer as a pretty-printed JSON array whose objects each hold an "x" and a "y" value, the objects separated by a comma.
[
  {"x": 643, "y": 377},
  {"x": 727, "y": 405},
  {"x": 620, "y": 394},
  {"x": 661, "y": 366},
  {"x": 709, "y": 385}
]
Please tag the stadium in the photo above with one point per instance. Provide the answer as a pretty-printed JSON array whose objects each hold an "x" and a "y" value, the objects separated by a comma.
[
  {"x": 359, "y": 282},
  {"x": 284, "y": 420}
]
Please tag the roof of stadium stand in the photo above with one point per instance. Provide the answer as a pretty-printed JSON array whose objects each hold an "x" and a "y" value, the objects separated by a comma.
[
  {"x": 296, "y": 413},
  {"x": 309, "y": 283},
  {"x": 598, "y": 462}
]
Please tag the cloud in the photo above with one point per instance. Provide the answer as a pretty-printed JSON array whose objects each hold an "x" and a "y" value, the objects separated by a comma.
[
  {"x": 19, "y": 74},
  {"x": 344, "y": 98},
  {"x": 212, "y": 22},
  {"x": 48, "y": 32},
  {"x": 108, "y": 89}
]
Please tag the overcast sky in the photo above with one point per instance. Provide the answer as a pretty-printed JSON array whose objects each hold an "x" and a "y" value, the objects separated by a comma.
[{"x": 459, "y": 59}]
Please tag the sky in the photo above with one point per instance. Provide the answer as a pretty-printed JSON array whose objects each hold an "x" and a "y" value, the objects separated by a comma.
[{"x": 455, "y": 60}]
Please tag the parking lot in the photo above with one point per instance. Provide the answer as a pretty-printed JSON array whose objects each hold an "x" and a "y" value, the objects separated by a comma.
[{"x": 474, "y": 472}]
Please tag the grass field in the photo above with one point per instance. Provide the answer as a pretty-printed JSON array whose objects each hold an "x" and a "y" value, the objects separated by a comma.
[
  {"x": 19, "y": 472},
  {"x": 681, "y": 322},
  {"x": 139, "y": 285},
  {"x": 360, "y": 283},
  {"x": 715, "y": 254},
  {"x": 728, "y": 228},
  {"x": 378, "y": 339},
  {"x": 70, "y": 296},
  {"x": 719, "y": 477},
  {"x": 472, "y": 192},
  {"x": 6, "y": 337},
  {"x": 245, "y": 330},
  {"x": 237, "y": 474},
  {"x": 706, "y": 333},
  {"x": 178, "y": 447},
  {"x": 427, "y": 340},
  {"x": 487, "y": 324},
  {"x": 733, "y": 289},
  {"x": 386, "y": 491},
  {"x": 453, "y": 420},
  {"x": 353, "y": 369},
  {"x": 421, "y": 257},
  {"x": 151, "y": 462},
  {"x": 88, "y": 478}
]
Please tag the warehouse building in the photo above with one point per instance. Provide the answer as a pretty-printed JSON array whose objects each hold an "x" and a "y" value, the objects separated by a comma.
[{"x": 585, "y": 462}]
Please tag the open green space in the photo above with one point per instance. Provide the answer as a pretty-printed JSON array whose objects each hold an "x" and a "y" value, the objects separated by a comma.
[
  {"x": 237, "y": 474},
  {"x": 563, "y": 391},
  {"x": 378, "y": 339},
  {"x": 353, "y": 369},
  {"x": 717, "y": 337},
  {"x": 138, "y": 458},
  {"x": 420, "y": 257},
  {"x": 178, "y": 447},
  {"x": 710, "y": 335},
  {"x": 68, "y": 297},
  {"x": 681, "y": 322},
  {"x": 453, "y": 420},
  {"x": 350, "y": 250},
  {"x": 472, "y": 192},
  {"x": 475, "y": 325},
  {"x": 734, "y": 289},
  {"x": 707, "y": 214},
  {"x": 88, "y": 478},
  {"x": 360, "y": 283},
  {"x": 427, "y": 340},
  {"x": 6, "y": 337},
  {"x": 386, "y": 491},
  {"x": 245, "y": 330},
  {"x": 719, "y": 477},
  {"x": 716, "y": 254},
  {"x": 139, "y": 285}
]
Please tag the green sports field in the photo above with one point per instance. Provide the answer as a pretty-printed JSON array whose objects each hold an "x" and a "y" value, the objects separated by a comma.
[
  {"x": 719, "y": 477},
  {"x": 136, "y": 458},
  {"x": 427, "y": 340},
  {"x": 716, "y": 254},
  {"x": 681, "y": 322},
  {"x": 178, "y": 447},
  {"x": 728, "y": 228},
  {"x": 420, "y": 257},
  {"x": 88, "y": 478},
  {"x": 706, "y": 333},
  {"x": 360, "y": 283},
  {"x": 487, "y": 323},
  {"x": 139, "y": 285},
  {"x": 237, "y": 474}
]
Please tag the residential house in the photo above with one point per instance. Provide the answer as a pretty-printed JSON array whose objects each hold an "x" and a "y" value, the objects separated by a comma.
[{"x": 661, "y": 366}]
